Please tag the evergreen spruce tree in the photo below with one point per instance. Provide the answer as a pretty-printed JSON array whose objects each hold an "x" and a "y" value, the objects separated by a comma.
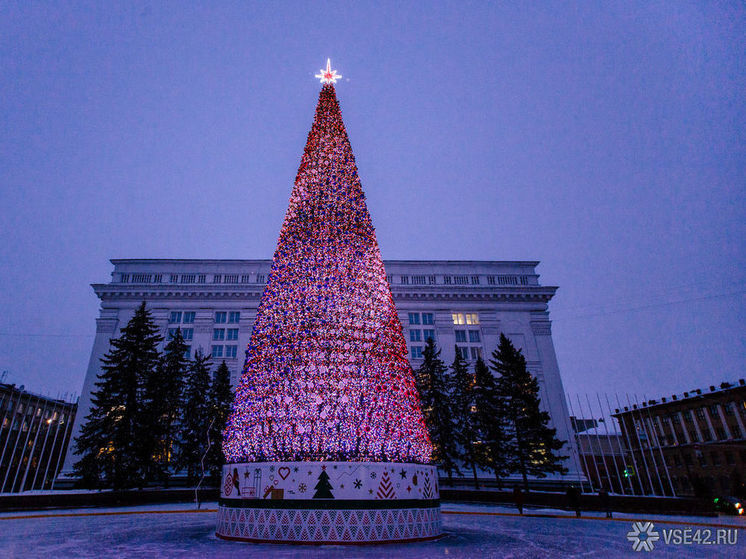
[
  {"x": 110, "y": 444},
  {"x": 462, "y": 399},
  {"x": 535, "y": 443},
  {"x": 196, "y": 417},
  {"x": 162, "y": 403},
  {"x": 492, "y": 447},
  {"x": 221, "y": 397},
  {"x": 434, "y": 386}
]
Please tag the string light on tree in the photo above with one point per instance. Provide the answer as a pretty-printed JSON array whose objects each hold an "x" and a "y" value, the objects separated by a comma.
[{"x": 326, "y": 375}]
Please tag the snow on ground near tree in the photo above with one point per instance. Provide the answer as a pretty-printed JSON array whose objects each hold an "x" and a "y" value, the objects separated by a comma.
[{"x": 155, "y": 532}]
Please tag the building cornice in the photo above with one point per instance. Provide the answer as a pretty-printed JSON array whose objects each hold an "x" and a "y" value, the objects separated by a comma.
[{"x": 107, "y": 291}]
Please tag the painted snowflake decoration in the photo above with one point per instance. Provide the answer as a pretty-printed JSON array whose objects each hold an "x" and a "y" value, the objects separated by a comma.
[{"x": 328, "y": 75}]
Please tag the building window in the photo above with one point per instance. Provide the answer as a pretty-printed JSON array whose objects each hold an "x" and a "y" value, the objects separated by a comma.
[
  {"x": 461, "y": 280},
  {"x": 230, "y": 278},
  {"x": 217, "y": 278},
  {"x": 232, "y": 334},
  {"x": 174, "y": 278},
  {"x": 260, "y": 278},
  {"x": 201, "y": 278},
  {"x": 476, "y": 353},
  {"x": 124, "y": 278},
  {"x": 175, "y": 317},
  {"x": 490, "y": 280},
  {"x": 524, "y": 280},
  {"x": 220, "y": 317},
  {"x": 462, "y": 352},
  {"x": 404, "y": 280},
  {"x": 460, "y": 335},
  {"x": 171, "y": 334},
  {"x": 702, "y": 460},
  {"x": 458, "y": 318},
  {"x": 700, "y": 413},
  {"x": 390, "y": 278},
  {"x": 218, "y": 334},
  {"x": 187, "y": 352},
  {"x": 158, "y": 278},
  {"x": 416, "y": 352},
  {"x": 693, "y": 435},
  {"x": 187, "y": 334},
  {"x": 231, "y": 351},
  {"x": 217, "y": 351},
  {"x": 418, "y": 280},
  {"x": 728, "y": 408},
  {"x": 427, "y": 318},
  {"x": 245, "y": 278},
  {"x": 189, "y": 317},
  {"x": 415, "y": 335},
  {"x": 431, "y": 280},
  {"x": 472, "y": 318},
  {"x": 141, "y": 278},
  {"x": 428, "y": 335},
  {"x": 474, "y": 336},
  {"x": 188, "y": 278},
  {"x": 234, "y": 317},
  {"x": 475, "y": 280},
  {"x": 720, "y": 433},
  {"x": 414, "y": 318},
  {"x": 446, "y": 280}
]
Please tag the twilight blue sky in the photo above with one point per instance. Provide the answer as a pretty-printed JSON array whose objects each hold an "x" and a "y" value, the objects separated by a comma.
[{"x": 606, "y": 139}]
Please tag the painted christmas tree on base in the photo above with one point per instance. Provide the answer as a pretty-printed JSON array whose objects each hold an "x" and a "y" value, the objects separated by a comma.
[{"x": 326, "y": 441}]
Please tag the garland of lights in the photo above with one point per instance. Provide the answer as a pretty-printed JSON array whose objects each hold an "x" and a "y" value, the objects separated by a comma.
[{"x": 326, "y": 375}]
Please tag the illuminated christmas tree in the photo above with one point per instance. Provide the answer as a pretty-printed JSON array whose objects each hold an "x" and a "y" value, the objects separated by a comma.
[{"x": 326, "y": 375}]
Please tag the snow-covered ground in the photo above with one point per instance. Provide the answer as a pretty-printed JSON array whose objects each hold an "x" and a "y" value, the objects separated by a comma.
[{"x": 471, "y": 531}]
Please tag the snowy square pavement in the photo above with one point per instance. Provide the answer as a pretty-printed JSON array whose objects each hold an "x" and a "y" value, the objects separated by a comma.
[{"x": 479, "y": 531}]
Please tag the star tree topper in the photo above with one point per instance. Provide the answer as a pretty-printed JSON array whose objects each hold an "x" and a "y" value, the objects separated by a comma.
[{"x": 328, "y": 75}]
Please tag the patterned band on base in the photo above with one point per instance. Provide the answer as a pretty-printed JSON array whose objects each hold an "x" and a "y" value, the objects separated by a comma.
[{"x": 313, "y": 526}]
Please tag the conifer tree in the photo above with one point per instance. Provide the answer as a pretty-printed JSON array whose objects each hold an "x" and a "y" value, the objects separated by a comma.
[
  {"x": 492, "y": 447},
  {"x": 162, "y": 401},
  {"x": 110, "y": 444},
  {"x": 462, "y": 399},
  {"x": 221, "y": 397},
  {"x": 535, "y": 442},
  {"x": 196, "y": 416},
  {"x": 434, "y": 385}
]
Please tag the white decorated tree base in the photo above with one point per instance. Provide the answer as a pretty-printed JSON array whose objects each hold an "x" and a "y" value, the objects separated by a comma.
[{"x": 329, "y": 502}]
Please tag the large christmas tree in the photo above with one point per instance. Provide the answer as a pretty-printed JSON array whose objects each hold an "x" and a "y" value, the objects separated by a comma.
[{"x": 326, "y": 375}]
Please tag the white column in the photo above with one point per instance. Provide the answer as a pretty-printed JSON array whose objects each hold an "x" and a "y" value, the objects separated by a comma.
[
  {"x": 106, "y": 326},
  {"x": 721, "y": 415}
]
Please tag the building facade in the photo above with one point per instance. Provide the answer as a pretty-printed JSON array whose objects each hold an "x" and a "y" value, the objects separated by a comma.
[
  {"x": 463, "y": 305},
  {"x": 34, "y": 435},
  {"x": 693, "y": 443}
]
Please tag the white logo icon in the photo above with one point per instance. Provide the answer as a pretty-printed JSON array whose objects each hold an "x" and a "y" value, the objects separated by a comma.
[{"x": 643, "y": 536}]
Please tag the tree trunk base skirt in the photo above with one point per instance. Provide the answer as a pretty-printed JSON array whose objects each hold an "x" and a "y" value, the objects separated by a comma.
[{"x": 289, "y": 502}]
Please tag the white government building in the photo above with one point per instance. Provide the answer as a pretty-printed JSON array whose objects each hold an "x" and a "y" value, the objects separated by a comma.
[{"x": 463, "y": 304}]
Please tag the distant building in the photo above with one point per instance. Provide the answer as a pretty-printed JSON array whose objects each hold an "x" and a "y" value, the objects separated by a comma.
[
  {"x": 692, "y": 443},
  {"x": 601, "y": 450},
  {"x": 463, "y": 305},
  {"x": 34, "y": 435}
]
